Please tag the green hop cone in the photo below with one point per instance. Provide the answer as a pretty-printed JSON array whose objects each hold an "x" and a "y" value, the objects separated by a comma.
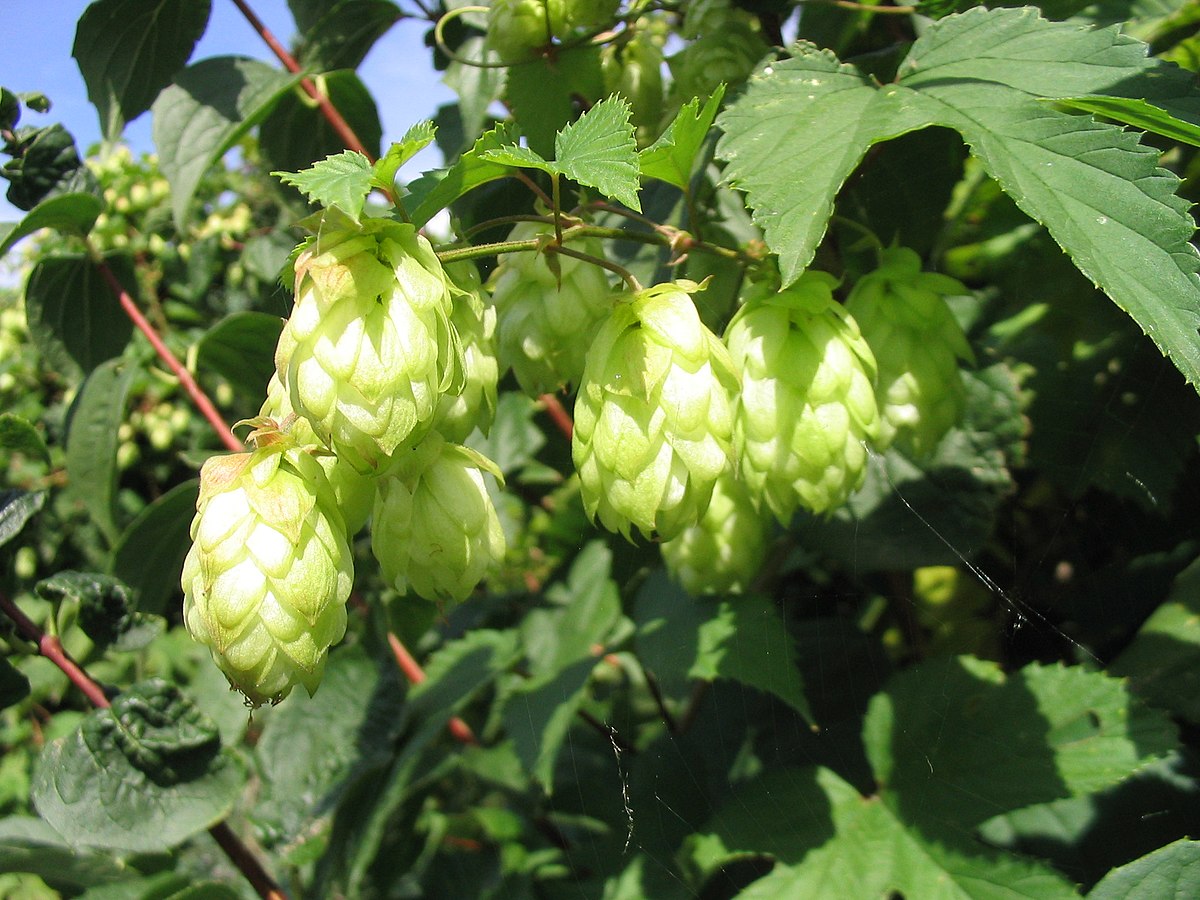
[
  {"x": 634, "y": 70},
  {"x": 435, "y": 530},
  {"x": 369, "y": 348},
  {"x": 266, "y": 579},
  {"x": 475, "y": 322},
  {"x": 918, "y": 343},
  {"x": 725, "y": 46},
  {"x": 517, "y": 29},
  {"x": 353, "y": 491},
  {"x": 724, "y": 551},
  {"x": 808, "y": 398},
  {"x": 654, "y": 415},
  {"x": 544, "y": 322}
]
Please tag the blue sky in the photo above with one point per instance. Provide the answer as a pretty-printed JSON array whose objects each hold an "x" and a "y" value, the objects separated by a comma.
[{"x": 35, "y": 55}]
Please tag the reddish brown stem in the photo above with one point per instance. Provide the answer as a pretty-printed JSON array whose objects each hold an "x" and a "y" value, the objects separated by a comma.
[
  {"x": 340, "y": 125},
  {"x": 416, "y": 675},
  {"x": 247, "y": 863},
  {"x": 185, "y": 377},
  {"x": 558, "y": 414}
]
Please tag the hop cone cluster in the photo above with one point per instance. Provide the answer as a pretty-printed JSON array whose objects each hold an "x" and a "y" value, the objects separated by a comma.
[
  {"x": 266, "y": 580},
  {"x": 435, "y": 530},
  {"x": 517, "y": 28},
  {"x": 545, "y": 321},
  {"x": 475, "y": 323},
  {"x": 808, "y": 398},
  {"x": 724, "y": 551},
  {"x": 369, "y": 349},
  {"x": 903, "y": 315},
  {"x": 653, "y": 418}
]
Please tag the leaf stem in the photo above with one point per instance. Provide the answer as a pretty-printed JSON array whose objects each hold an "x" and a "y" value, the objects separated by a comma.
[
  {"x": 626, "y": 275},
  {"x": 194, "y": 391}
]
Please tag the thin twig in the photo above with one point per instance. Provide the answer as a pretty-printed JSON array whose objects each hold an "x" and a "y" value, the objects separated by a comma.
[
  {"x": 199, "y": 398},
  {"x": 558, "y": 415},
  {"x": 416, "y": 675},
  {"x": 626, "y": 276}
]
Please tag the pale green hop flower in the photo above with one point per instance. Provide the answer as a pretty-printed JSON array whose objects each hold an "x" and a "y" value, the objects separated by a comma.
[
  {"x": 808, "y": 400},
  {"x": 435, "y": 530},
  {"x": 544, "y": 323},
  {"x": 475, "y": 322},
  {"x": 918, "y": 343},
  {"x": 724, "y": 551},
  {"x": 266, "y": 579},
  {"x": 369, "y": 348},
  {"x": 353, "y": 491},
  {"x": 653, "y": 418}
]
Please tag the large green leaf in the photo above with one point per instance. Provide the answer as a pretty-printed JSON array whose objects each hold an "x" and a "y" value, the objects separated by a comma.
[
  {"x": 69, "y": 213},
  {"x": 338, "y": 35},
  {"x": 95, "y": 417},
  {"x": 986, "y": 74},
  {"x": 74, "y": 317},
  {"x": 19, "y": 436},
  {"x": 149, "y": 555},
  {"x": 1173, "y": 871},
  {"x": 673, "y": 156},
  {"x": 436, "y": 190},
  {"x": 128, "y": 51},
  {"x": 27, "y": 844},
  {"x": 543, "y": 93},
  {"x": 141, "y": 776},
  {"x": 203, "y": 114},
  {"x": 598, "y": 150},
  {"x": 16, "y": 508},
  {"x": 241, "y": 347}
]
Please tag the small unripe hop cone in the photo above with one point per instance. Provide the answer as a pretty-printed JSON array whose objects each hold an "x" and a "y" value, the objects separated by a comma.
[
  {"x": 475, "y": 322},
  {"x": 266, "y": 580},
  {"x": 918, "y": 343},
  {"x": 653, "y": 419},
  {"x": 807, "y": 405}
]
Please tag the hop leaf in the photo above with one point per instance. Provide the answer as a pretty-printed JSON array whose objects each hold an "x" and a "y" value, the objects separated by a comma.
[
  {"x": 917, "y": 344},
  {"x": 808, "y": 400},
  {"x": 266, "y": 579},
  {"x": 435, "y": 530},
  {"x": 369, "y": 348},
  {"x": 653, "y": 418}
]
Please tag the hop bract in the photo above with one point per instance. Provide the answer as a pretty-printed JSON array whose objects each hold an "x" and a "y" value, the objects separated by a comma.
[
  {"x": 544, "y": 321},
  {"x": 808, "y": 398},
  {"x": 353, "y": 491},
  {"x": 903, "y": 315},
  {"x": 369, "y": 349},
  {"x": 434, "y": 530},
  {"x": 266, "y": 580},
  {"x": 653, "y": 418},
  {"x": 475, "y": 322},
  {"x": 723, "y": 552}
]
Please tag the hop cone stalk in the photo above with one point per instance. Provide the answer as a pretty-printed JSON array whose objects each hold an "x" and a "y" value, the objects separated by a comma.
[
  {"x": 435, "y": 531},
  {"x": 917, "y": 342},
  {"x": 266, "y": 580},
  {"x": 807, "y": 402},
  {"x": 354, "y": 492},
  {"x": 653, "y": 418},
  {"x": 724, "y": 551},
  {"x": 475, "y": 322},
  {"x": 369, "y": 349},
  {"x": 544, "y": 323}
]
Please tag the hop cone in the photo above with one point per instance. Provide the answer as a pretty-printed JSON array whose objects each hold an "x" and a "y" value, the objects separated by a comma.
[
  {"x": 435, "y": 531},
  {"x": 917, "y": 342},
  {"x": 266, "y": 580},
  {"x": 517, "y": 28},
  {"x": 369, "y": 349},
  {"x": 654, "y": 415},
  {"x": 808, "y": 400},
  {"x": 725, "y": 47},
  {"x": 460, "y": 414},
  {"x": 635, "y": 72},
  {"x": 353, "y": 492},
  {"x": 723, "y": 552},
  {"x": 544, "y": 323}
]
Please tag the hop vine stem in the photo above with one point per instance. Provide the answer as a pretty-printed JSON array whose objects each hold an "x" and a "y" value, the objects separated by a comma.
[{"x": 51, "y": 648}]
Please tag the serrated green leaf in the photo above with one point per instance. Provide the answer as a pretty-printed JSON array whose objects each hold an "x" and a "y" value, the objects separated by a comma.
[
  {"x": 141, "y": 776},
  {"x": 128, "y": 51},
  {"x": 203, "y": 114},
  {"x": 241, "y": 347},
  {"x": 16, "y": 508},
  {"x": 95, "y": 418},
  {"x": 985, "y": 73},
  {"x": 673, "y": 156},
  {"x": 27, "y": 844},
  {"x": 68, "y": 213},
  {"x": 598, "y": 150},
  {"x": 872, "y": 852},
  {"x": 1040, "y": 734},
  {"x": 416, "y": 139},
  {"x": 339, "y": 35},
  {"x": 519, "y": 158},
  {"x": 435, "y": 191},
  {"x": 18, "y": 436},
  {"x": 149, "y": 555},
  {"x": 1138, "y": 113},
  {"x": 296, "y": 133},
  {"x": 543, "y": 93},
  {"x": 343, "y": 181},
  {"x": 1172, "y": 871}
]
